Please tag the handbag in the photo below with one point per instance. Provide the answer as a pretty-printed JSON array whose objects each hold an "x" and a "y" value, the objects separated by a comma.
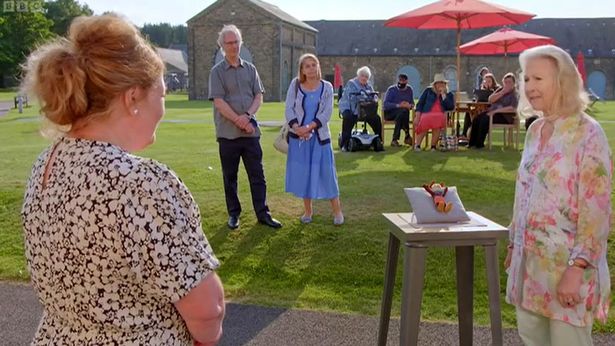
[{"x": 281, "y": 141}]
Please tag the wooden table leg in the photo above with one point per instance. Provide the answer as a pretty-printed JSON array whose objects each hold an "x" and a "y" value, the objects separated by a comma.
[
  {"x": 412, "y": 294},
  {"x": 389, "y": 284},
  {"x": 493, "y": 285},
  {"x": 465, "y": 294}
]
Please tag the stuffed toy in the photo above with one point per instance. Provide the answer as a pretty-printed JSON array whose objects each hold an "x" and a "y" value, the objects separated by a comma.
[{"x": 437, "y": 192}]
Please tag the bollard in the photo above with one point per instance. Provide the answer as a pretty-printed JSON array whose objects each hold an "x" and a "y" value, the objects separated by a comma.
[{"x": 20, "y": 103}]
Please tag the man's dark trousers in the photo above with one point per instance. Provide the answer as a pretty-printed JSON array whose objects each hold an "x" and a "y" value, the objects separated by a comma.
[
  {"x": 402, "y": 120},
  {"x": 248, "y": 149}
]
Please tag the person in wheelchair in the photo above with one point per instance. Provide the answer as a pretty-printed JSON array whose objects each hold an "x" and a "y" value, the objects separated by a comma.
[{"x": 359, "y": 94}]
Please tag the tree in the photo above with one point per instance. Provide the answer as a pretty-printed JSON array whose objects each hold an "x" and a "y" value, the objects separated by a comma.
[
  {"x": 159, "y": 34},
  {"x": 21, "y": 32},
  {"x": 62, "y": 13},
  {"x": 180, "y": 34},
  {"x": 164, "y": 34}
]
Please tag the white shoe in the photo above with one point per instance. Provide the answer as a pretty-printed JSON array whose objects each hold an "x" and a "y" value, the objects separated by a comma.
[
  {"x": 338, "y": 220},
  {"x": 305, "y": 219},
  {"x": 417, "y": 149}
]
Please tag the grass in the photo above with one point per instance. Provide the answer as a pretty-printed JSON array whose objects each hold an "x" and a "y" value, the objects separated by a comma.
[{"x": 318, "y": 266}]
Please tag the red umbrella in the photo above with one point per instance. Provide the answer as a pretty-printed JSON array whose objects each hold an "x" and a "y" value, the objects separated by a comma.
[
  {"x": 459, "y": 14},
  {"x": 338, "y": 80},
  {"x": 504, "y": 41},
  {"x": 581, "y": 66}
]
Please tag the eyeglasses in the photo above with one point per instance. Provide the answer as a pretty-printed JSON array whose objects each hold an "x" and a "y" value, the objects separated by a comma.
[{"x": 230, "y": 43}]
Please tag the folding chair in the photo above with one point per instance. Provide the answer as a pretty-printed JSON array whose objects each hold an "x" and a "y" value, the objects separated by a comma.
[
  {"x": 386, "y": 124},
  {"x": 509, "y": 131},
  {"x": 391, "y": 123}
]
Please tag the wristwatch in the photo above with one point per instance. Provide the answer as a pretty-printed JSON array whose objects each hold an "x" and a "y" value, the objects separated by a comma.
[{"x": 574, "y": 263}]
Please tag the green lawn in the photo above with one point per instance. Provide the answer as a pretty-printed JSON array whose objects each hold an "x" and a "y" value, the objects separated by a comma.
[{"x": 316, "y": 266}]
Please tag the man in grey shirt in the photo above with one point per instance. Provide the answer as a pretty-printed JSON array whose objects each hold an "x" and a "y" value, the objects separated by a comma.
[{"x": 237, "y": 92}]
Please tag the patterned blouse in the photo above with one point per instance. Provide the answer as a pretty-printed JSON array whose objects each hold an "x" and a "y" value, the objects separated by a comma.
[
  {"x": 111, "y": 242},
  {"x": 562, "y": 211}
]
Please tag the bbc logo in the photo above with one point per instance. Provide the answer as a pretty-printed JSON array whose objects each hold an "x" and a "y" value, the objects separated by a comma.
[{"x": 22, "y": 6}]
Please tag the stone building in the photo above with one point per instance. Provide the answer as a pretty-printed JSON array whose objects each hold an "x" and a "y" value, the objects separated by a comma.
[
  {"x": 273, "y": 41},
  {"x": 176, "y": 68},
  {"x": 422, "y": 53}
]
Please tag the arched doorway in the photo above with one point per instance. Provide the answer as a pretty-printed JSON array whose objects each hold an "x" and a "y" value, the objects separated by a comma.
[
  {"x": 597, "y": 82},
  {"x": 414, "y": 78},
  {"x": 450, "y": 73},
  {"x": 244, "y": 54}
]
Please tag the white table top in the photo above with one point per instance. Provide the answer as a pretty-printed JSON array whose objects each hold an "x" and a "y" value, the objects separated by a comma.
[{"x": 405, "y": 228}]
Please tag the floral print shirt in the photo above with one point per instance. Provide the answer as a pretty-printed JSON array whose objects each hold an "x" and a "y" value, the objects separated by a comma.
[
  {"x": 562, "y": 211},
  {"x": 112, "y": 241}
]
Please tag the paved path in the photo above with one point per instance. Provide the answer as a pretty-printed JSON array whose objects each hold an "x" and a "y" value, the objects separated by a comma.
[
  {"x": 255, "y": 325},
  {"x": 5, "y": 107}
]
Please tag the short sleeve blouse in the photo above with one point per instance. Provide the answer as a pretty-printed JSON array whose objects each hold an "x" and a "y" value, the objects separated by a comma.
[{"x": 111, "y": 241}]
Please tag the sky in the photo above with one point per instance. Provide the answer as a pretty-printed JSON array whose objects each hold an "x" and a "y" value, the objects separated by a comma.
[{"x": 179, "y": 11}]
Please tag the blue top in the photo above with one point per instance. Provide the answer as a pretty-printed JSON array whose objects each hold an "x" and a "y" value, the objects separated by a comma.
[
  {"x": 395, "y": 96},
  {"x": 429, "y": 97},
  {"x": 311, "y": 101},
  {"x": 295, "y": 113},
  {"x": 310, "y": 165},
  {"x": 510, "y": 99},
  {"x": 350, "y": 98}
]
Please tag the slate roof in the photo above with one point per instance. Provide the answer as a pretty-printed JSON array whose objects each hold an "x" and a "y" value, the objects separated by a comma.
[
  {"x": 285, "y": 17},
  {"x": 269, "y": 8},
  {"x": 370, "y": 37},
  {"x": 174, "y": 57},
  {"x": 179, "y": 46}
]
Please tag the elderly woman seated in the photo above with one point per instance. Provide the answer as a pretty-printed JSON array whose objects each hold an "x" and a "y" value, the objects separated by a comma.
[
  {"x": 349, "y": 106},
  {"x": 433, "y": 103},
  {"x": 490, "y": 85},
  {"x": 503, "y": 109}
]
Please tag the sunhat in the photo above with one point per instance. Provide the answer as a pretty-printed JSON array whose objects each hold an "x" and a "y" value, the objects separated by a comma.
[{"x": 439, "y": 77}]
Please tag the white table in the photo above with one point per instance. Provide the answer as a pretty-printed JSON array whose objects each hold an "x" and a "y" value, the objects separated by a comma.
[{"x": 416, "y": 239}]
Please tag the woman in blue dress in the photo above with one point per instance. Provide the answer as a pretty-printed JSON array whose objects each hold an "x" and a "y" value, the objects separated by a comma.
[{"x": 310, "y": 166}]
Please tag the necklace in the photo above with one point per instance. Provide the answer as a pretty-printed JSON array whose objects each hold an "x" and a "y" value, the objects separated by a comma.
[{"x": 311, "y": 85}]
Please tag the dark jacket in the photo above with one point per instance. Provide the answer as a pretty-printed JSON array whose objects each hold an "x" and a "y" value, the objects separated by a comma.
[
  {"x": 395, "y": 96},
  {"x": 429, "y": 97}
]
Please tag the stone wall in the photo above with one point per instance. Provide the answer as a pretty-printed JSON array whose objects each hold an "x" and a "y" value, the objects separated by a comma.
[
  {"x": 276, "y": 46},
  {"x": 385, "y": 68},
  {"x": 264, "y": 35}
]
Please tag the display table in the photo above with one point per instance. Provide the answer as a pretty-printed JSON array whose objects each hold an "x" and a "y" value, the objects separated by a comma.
[
  {"x": 479, "y": 231},
  {"x": 473, "y": 108}
]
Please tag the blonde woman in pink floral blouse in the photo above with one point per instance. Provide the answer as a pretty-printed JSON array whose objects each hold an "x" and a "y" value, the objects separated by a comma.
[{"x": 558, "y": 277}]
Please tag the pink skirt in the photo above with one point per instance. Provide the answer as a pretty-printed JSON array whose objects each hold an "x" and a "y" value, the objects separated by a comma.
[{"x": 430, "y": 121}]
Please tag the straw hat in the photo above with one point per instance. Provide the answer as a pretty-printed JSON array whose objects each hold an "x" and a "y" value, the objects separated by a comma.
[{"x": 439, "y": 77}]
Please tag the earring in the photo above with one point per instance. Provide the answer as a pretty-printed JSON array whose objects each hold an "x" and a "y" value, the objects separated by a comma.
[{"x": 136, "y": 111}]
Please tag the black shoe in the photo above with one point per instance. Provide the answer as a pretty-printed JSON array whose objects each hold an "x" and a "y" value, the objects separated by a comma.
[
  {"x": 408, "y": 140},
  {"x": 233, "y": 222},
  {"x": 269, "y": 221}
]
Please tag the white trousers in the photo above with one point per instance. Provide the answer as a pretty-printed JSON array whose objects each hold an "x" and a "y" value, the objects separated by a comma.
[{"x": 537, "y": 330}]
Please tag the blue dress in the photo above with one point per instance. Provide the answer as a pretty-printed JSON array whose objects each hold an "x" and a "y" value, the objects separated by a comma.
[{"x": 310, "y": 167}]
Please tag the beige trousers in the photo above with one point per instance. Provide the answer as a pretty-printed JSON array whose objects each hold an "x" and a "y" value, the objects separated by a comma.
[{"x": 537, "y": 330}]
